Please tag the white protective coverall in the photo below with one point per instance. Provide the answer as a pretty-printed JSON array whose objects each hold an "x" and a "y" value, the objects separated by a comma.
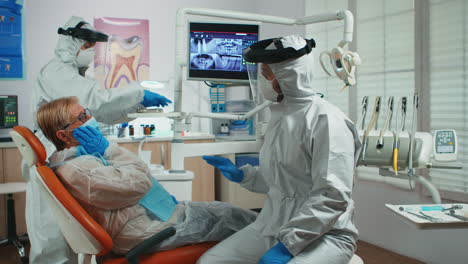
[
  {"x": 306, "y": 169},
  {"x": 110, "y": 194},
  {"x": 60, "y": 78}
]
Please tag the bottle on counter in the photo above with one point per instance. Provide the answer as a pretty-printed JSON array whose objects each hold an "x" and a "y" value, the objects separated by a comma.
[{"x": 147, "y": 130}]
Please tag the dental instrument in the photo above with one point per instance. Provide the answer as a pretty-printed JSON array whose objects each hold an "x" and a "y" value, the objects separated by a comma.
[
  {"x": 387, "y": 123},
  {"x": 362, "y": 119},
  {"x": 459, "y": 217},
  {"x": 399, "y": 128},
  {"x": 421, "y": 215},
  {"x": 412, "y": 137},
  {"x": 372, "y": 123}
]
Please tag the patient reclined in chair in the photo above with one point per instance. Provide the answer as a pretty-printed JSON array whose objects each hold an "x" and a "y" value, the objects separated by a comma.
[{"x": 116, "y": 188}]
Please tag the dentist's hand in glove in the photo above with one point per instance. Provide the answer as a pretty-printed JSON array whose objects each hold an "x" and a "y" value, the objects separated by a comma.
[
  {"x": 227, "y": 168},
  {"x": 91, "y": 139},
  {"x": 278, "y": 254},
  {"x": 154, "y": 99}
]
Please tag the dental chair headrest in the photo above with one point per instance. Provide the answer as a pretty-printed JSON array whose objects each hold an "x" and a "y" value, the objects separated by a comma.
[{"x": 29, "y": 145}]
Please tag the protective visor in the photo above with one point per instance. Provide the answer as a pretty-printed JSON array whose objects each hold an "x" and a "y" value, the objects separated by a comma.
[
  {"x": 258, "y": 52},
  {"x": 83, "y": 33}
]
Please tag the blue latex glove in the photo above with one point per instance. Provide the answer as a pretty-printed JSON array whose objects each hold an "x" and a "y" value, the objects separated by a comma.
[
  {"x": 227, "y": 168},
  {"x": 154, "y": 99},
  {"x": 174, "y": 199},
  {"x": 278, "y": 254},
  {"x": 91, "y": 139}
]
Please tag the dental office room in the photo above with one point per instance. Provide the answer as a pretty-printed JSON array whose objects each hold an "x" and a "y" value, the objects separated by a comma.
[{"x": 301, "y": 131}]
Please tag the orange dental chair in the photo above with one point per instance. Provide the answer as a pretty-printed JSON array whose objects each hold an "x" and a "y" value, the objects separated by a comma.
[{"x": 83, "y": 234}]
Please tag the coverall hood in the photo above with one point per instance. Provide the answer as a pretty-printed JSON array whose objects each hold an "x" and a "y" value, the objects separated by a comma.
[
  {"x": 67, "y": 46},
  {"x": 295, "y": 75}
]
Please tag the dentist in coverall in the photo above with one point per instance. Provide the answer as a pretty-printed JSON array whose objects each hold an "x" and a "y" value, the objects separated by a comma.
[
  {"x": 64, "y": 76},
  {"x": 306, "y": 169}
]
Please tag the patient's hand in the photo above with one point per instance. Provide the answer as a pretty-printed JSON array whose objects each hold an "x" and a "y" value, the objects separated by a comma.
[{"x": 91, "y": 139}]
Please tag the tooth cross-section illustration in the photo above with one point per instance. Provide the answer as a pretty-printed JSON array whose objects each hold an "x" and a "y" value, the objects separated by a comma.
[{"x": 123, "y": 58}]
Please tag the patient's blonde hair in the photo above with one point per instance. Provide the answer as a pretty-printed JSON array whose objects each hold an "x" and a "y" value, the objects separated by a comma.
[{"x": 53, "y": 116}]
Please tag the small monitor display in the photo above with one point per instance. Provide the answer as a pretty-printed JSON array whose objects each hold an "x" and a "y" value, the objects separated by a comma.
[
  {"x": 8, "y": 111},
  {"x": 215, "y": 51}
]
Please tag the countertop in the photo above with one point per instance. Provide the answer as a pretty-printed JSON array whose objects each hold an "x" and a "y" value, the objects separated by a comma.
[
  {"x": 192, "y": 136},
  {"x": 9, "y": 144}
]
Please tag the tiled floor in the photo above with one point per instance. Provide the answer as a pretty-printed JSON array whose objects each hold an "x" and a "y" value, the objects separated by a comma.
[{"x": 370, "y": 254}]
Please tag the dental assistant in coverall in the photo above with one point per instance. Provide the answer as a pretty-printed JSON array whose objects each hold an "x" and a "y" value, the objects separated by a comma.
[
  {"x": 64, "y": 76},
  {"x": 306, "y": 168}
]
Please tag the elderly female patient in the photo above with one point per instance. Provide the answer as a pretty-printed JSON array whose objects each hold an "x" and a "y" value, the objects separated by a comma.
[{"x": 115, "y": 187}]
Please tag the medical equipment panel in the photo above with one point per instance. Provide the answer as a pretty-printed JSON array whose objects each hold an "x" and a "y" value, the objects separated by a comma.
[
  {"x": 8, "y": 111},
  {"x": 445, "y": 145},
  {"x": 8, "y": 115},
  {"x": 215, "y": 51}
]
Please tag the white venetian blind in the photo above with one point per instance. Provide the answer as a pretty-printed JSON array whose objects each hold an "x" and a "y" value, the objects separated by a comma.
[
  {"x": 385, "y": 42},
  {"x": 448, "y": 32},
  {"x": 327, "y": 35}
]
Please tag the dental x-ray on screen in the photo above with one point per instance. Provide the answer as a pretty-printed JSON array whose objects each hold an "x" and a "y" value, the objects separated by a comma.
[{"x": 215, "y": 50}]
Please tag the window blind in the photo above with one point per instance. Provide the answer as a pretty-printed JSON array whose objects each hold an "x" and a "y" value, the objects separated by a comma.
[
  {"x": 448, "y": 49},
  {"x": 385, "y": 42}
]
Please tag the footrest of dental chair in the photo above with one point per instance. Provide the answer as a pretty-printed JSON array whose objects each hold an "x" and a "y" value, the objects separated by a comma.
[{"x": 187, "y": 255}]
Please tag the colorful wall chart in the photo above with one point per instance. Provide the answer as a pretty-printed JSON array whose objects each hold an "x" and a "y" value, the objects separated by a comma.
[
  {"x": 125, "y": 57},
  {"x": 11, "y": 51}
]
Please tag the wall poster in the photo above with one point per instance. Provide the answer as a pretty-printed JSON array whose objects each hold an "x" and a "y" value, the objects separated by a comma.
[
  {"x": 125, "y": 57},
  {"x": 11, "y": 39}
]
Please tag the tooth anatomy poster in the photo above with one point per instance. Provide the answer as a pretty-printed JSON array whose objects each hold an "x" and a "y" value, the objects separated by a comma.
[{"x": 125, "y": 56}]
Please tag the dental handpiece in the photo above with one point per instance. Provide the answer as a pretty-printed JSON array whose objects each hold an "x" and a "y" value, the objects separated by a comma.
[
  {"x": 399, "y": 128},
  {"x": 362, "y": 119},
  {"x": 372, "y": 123},
  {"x": 413, "y": 133},
  {"x": 386, "y": 126}
]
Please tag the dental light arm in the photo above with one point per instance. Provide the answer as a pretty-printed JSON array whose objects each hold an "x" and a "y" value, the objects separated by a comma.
[
  {"x": 345, "y": 15},
  {"x": 188, "y": 119}
]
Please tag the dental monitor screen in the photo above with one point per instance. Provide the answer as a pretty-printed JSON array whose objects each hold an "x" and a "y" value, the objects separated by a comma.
[
  {"x": 8, "y": 115},
  {"x": 215, "y": 51}
]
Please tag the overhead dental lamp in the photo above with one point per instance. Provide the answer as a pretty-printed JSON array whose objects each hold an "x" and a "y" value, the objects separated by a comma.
[{"x": 343, "y": 62}]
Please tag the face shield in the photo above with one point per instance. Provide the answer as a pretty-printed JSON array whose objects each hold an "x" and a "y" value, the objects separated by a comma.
[
  {"x": 263, "y": 83},
  {"x": 271, "y": 51},
  {"x": 82, "y": 33}
]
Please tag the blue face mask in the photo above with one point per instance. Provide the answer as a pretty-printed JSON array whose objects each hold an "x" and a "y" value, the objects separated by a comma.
[{"x": 92, "y": 123}]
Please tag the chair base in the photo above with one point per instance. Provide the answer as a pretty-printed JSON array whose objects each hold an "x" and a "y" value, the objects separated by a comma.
[
  {"x": 356, "y": 260},
  {"x": 16, "y": 241},
  {"x": 12, "y": 237}
]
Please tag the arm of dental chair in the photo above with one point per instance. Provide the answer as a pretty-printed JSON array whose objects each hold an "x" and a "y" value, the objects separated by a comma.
[{"x": 143, "y": 247}]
